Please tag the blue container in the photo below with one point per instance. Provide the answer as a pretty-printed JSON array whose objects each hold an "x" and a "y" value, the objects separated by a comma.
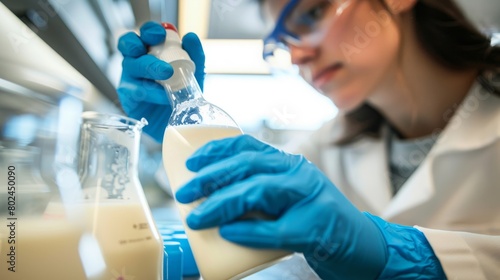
[
  {"x": 174, "y": 231},
  {"x": 172, "y": 261},
  {"x": 177, "y": 228},
  {"x": 166, "y": 231},
  {"x": 190, "y": 268}
]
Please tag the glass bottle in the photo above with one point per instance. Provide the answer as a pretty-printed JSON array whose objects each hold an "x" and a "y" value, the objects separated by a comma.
[
  {"x": 115, "y": 207},
  {"x": 193, "y": 123}
]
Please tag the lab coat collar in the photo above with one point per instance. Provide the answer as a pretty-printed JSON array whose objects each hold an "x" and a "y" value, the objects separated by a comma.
[
  {"x": 474, "y": 125},
  {"x": 368, "y": 171}
]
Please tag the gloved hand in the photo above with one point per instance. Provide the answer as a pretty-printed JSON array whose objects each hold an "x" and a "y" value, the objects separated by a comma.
[
  {"x": 242, "y": 175},
  {"x": 139, "y": 94}
]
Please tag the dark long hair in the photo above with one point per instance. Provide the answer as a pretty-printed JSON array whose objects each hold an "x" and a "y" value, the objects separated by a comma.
[{"x": 451, "y": 39}]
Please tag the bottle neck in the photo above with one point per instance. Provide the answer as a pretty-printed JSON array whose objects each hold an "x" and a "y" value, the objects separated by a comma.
[{"x": 182, "y": 86}]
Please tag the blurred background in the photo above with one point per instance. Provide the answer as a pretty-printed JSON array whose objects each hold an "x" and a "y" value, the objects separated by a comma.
[{"x": 49, "y": 45}]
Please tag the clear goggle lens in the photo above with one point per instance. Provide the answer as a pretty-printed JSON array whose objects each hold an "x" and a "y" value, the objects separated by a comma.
[
  {"x": 279, "y": 58},
  {"x": 303, "y": 22}
]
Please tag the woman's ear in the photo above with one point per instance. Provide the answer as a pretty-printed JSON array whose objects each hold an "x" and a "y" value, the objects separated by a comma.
[{"x": 400, "y": 6}]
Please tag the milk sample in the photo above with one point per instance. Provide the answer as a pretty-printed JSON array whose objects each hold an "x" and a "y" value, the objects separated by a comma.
[
  {"x": 44, "y": 250},
  {"x": 51, "y": 248},
  {"x": 129, "y": 241},
  {"x": 216, "y": 258}
]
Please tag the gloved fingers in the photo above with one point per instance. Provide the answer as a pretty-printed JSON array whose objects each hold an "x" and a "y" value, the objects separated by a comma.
[
  {"x": 132, "y": 92},
  {"x": 158, "y": 121},
  {"x": 131, "y": 45},
  {"x": 253, "y": 233},
  {"x": 220, "y": 149},
  {"x": 152, "y": 33},
  {"x": 230, "y": 170},
  {"x": 147, "y": 67},
  {"x": 192, "y": 44},
  {"x": 270, "y": 195},
  {"x": 157, "y": 115}
]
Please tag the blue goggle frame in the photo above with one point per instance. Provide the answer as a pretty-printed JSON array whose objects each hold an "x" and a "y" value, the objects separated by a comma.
[{"x": 274, "y": 39}]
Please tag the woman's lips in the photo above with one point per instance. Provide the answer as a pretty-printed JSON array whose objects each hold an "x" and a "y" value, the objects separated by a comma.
[{"x": 325, "y": 75}]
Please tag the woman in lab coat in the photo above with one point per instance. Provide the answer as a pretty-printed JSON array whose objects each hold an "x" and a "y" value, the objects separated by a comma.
[{"x": 416, "y": 145}]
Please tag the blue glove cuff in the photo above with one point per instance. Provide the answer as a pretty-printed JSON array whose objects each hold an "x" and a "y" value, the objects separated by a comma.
[{"x": 410, "y": 256}]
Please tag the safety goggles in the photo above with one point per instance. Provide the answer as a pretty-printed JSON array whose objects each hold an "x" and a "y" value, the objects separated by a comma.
[{"x": 301, "y": 22}]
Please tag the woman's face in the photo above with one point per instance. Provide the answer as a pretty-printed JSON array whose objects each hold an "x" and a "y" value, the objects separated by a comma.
[{"x": 354, "y": 55}]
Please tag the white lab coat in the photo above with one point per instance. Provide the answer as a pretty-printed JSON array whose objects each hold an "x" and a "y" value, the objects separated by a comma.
[{"x": 454, "y": 195}]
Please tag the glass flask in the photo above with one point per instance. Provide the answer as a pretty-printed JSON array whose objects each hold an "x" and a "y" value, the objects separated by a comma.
[
  {"x": 37, "y": 153},
  {"x": 113, "y": 200},
  {"x": 193, "y": 123}
]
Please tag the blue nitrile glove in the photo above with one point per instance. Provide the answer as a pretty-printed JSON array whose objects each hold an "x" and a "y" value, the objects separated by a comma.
[
  {"x": 410, "y": 256},
  {"x": 242, "y": 175},
  {"x": 139, "y": 94}
]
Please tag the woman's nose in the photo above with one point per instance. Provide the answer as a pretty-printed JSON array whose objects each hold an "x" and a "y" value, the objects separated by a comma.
[{"x": 302, "y": 55}]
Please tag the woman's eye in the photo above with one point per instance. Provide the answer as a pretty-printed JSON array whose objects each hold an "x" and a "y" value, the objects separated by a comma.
[{"x": 315, "y": 13}]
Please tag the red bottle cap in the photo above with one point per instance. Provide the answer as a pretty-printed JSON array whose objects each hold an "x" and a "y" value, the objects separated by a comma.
[{"x": 168, "y": 25}]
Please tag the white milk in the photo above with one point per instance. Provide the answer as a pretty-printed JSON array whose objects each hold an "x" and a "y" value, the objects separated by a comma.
[
  {"x": 48, "y": 248},
  {"x": 44, "y": 250},
  {"x": 216, "y": 258},
  {"x": 129, "y": 241}
]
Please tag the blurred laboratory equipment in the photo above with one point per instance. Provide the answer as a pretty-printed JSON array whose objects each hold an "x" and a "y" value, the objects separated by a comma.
[
  {"x": 113, "y": 200},
  {"x": 193, "y": 123},
  {"x": 38, "y": 144}
]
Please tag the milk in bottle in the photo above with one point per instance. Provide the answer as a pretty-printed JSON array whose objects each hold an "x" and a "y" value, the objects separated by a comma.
[{"x": 193, "y": 123}]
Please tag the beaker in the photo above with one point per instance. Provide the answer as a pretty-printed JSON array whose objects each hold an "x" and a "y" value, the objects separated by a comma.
[{"x": 117, "y": 212}]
